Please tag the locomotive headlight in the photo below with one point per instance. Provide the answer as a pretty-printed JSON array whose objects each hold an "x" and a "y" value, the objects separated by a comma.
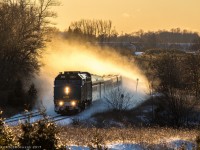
[
  {"x": 73, "y": 103},
  {"x": 61, "y": 103},
  {"x": 67, "y": 90}
]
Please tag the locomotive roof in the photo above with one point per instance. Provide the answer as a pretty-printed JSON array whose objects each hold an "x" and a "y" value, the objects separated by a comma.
[
  {"x": 73, "y": 75},
  {"x": 96, "y": 78},
  {"x": 110, "y": 76},
  {"x": 77, "y": 75}
]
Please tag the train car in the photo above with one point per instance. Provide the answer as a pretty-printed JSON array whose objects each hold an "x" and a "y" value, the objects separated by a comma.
[{"x": 73, "y": 90}]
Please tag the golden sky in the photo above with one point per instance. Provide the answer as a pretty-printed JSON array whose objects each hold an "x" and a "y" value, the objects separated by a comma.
[{"x": 132, "y": 15}]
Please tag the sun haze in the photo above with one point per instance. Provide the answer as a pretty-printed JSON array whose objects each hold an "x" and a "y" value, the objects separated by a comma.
[{"x": 132, "y": 15}]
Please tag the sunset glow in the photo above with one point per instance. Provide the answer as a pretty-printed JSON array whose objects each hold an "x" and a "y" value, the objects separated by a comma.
[{"x": 132, "y": 15}]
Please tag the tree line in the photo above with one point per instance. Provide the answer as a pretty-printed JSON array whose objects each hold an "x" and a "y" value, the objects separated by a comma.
[
  {"x": 176, "y": 76},
  {"x": 23, "y": 26},
  {"x": 104, "y": 33}
]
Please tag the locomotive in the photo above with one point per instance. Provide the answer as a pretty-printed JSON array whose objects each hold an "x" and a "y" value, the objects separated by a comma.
[{"x": 74, "y": 90}]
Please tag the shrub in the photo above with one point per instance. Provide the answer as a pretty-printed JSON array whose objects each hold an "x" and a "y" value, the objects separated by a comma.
[
  {"x": 176, "y": 108},
  {"x": 97, "y": 141},
  {"x": 118, "y": 99},
  {"x": 43, "y": 134},
  {"x": 6, "y": 136},
  {"x": 46, "y": 135},
  {"x": 27, "y": 137},
  {"x": 76, "y": 122},
  {"x": 198, "y": 142}
]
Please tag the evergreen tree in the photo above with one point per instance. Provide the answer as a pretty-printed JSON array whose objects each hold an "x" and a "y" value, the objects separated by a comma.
[
  {"x": 17, "y": 96},
  {"x": 32, "y": 95}
]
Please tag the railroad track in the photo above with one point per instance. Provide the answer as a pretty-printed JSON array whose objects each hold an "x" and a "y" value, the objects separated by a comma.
[
  {"x": 32, "y": 115},
  {"x": 59, "y": 119},
  {"x": 23, "y": 117}
]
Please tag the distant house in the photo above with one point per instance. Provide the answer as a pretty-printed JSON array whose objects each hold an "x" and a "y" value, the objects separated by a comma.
[
  {"x": 138, "y": 53},
  {"x": 192, "y": 52}
]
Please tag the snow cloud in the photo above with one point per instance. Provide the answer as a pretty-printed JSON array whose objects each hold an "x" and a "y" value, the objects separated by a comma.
[{"x": 62, "y": 55}]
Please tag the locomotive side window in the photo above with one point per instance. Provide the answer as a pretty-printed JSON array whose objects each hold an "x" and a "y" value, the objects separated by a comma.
[{"x": 62, "y": 77}]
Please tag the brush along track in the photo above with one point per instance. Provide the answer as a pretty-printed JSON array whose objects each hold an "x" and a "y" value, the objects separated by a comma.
[
  {"x": 23, "y": 115},
  {"x": 56, "y": 118},
  {"x": 28, "y": 116},
  {"x": 52, "y": 119},
  {"x": 59, "y": 119},
  {"x": 40, "y": 115}
]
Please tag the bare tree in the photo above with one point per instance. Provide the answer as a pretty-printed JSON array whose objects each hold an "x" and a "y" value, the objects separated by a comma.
[
  {"x": 193, "y": 73},
  {"x": 118, "y": 99},
  {"x": 92, "y": 28},
  {"x": 176, "y": 107},
  {"x": 23, "y": 28},
  {"x": 196, "y": 44}
]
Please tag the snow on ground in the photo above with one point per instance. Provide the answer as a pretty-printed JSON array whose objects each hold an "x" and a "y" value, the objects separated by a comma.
[
  {"x": 175, "y": 145},
  {"x": 77, "y": 148},
  {"x": 111, "y": 147},
  {"x": 15, "y": 122},
  {"x": 65, "y": 121},
  {"x": 98, "y": 105},
  {"x": 125, "y": 147}
]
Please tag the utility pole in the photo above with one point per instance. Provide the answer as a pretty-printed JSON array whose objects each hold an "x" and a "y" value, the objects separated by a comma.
[{"x": 137, "y": 84}]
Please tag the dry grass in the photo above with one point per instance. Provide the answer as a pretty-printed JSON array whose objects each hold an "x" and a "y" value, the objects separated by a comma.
[{"x": 149, "y": 136}]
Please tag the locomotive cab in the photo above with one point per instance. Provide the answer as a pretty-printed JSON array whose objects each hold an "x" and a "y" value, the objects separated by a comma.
[{"x": 72, "y": 91}]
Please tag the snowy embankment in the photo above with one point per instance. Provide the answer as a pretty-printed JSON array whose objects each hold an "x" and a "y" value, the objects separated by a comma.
[
  {"x": 175, "y": 145},
  {"x": 98, "y": 105}
]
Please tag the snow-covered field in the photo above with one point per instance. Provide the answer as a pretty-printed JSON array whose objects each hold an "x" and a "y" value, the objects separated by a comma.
[
  {"x": 115, "y": 139},
  {"x": 129, "y": 138},
  {"x": 97, "y": 106},
  {"x": 173, "y": 145}
]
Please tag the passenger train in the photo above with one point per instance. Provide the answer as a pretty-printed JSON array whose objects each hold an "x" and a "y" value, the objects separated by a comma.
[{"x": 74, "y": 90}]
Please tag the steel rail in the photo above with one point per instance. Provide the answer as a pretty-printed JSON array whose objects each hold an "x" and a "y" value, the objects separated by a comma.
[
  {"x": 22, "y": 115},
  {"x": 23, "y": 118}
]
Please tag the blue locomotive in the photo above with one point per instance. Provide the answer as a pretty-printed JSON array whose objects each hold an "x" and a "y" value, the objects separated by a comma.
[{"x": 73, "y": 90}]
